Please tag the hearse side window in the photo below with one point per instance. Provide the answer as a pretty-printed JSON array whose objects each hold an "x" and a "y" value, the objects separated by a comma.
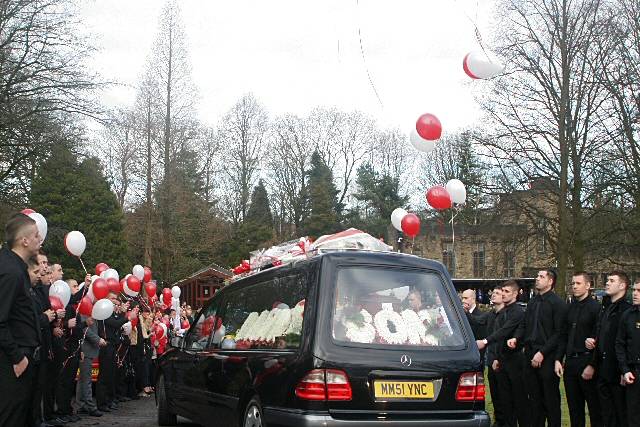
[
  {"x": 265, "y": 315},
  {"x": 393, "y": 307},
  {"x": 199, "y": 334}
]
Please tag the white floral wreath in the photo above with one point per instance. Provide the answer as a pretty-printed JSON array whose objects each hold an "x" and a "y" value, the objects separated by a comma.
[
  {"x": 364, "y": 333},
  {"x": 381, "y": 320}
]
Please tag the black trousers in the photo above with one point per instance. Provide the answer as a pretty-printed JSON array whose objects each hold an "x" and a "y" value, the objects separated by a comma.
[
  {"x": 105, "y": 386},
  {"x": 633, "y": 399},
  {"x": 66, "y": 382},
  {"x": 543, "y": 387},
  {"x": 580, "y": 391},
  {"x": 498, "y": 410},
  {"x": 613, "y": 403},
  {"x": 49, "y": 377},
  {"x": 16, "y": 404},
  {"x": 512, "y": 391}
]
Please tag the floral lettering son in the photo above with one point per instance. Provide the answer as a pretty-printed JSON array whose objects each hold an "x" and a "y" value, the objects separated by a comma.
[{"x": 427, "y": 327}]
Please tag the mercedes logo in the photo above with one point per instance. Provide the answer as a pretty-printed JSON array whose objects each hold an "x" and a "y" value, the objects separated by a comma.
[{"x": 405, "y": 360}]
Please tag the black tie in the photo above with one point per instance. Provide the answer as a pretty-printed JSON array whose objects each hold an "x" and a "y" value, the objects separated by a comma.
[
  {"x": 572, "y": 348},
  {"x": 536, "y": 315}
]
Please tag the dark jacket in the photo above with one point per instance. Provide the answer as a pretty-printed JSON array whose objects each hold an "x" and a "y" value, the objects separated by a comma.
[
  {"x": 506, "y": 322},
  {"x": 604, "y": 356},
  {"x": 628, "y": 341},
  {"x": 478, "y": 321},
  {"x": 543, "y": 325},
  {"x": 18, "y": 319},
  {"x": 582, "y": 322}
]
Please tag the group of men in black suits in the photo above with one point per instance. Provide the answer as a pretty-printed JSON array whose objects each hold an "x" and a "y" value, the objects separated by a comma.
[{"x": 594, "y": 348}]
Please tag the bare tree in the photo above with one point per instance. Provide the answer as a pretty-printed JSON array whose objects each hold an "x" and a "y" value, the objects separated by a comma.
[
  {"x": 243, "y": 134},
  {"x": 543, "y": 110},
  {"x": 44, "y": 81}
]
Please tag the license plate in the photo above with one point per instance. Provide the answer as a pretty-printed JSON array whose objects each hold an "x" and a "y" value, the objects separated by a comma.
[{"x": 403, "y": 390}]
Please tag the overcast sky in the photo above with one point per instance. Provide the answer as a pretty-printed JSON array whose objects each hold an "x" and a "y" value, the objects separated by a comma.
[{"x": 298, "y": 54}]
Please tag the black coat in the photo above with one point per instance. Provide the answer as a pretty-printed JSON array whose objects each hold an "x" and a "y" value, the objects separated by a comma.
[{"x": 604, "y": 356}]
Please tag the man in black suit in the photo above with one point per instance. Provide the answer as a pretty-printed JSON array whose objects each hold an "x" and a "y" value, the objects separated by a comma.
[
  {"x": 477, "y": 319},
  {"x": 610, "y": 392}
]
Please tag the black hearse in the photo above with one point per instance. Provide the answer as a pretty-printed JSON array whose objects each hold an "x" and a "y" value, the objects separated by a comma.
[{"x": 341, "y": 339}]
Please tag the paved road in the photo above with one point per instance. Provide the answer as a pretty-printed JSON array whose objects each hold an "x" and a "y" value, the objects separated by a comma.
[{"x": 137, "y": 413}]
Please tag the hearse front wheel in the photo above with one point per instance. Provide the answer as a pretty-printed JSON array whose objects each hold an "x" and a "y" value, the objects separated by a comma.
[
  {"x": 253, "y": 414},
  {"x": 165, "y": 417}
]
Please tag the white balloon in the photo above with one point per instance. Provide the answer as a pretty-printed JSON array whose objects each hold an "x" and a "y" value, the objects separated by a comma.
[
  {"x": 228, "y": 344},
  {"x": 457, "y": 191},
  {"x": 176, "y": 291},
  {"x": 479, "y": 66},
  {"x": 138, "y": 271},
  {"x": 75, "y": 243},
  {"x": 127, "y": 328},
  {"x": 110, "y": 273},
  {"x": 102, "y": 309},
  {"x": 419, "y": 143},
  {"x": 396, "y": 218},
  {"x": 61, "y": 290},
  {"x": 41, "y": 223},
  {"x": 90, "y": 293}
]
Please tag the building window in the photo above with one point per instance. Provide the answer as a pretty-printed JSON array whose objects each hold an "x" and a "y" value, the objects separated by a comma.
[
  {"x": 510, "y": 261},
  {"x": 479, "y": 260},
  {"x": 449, "y": 258},
  {"x": 542, "y": 235}
]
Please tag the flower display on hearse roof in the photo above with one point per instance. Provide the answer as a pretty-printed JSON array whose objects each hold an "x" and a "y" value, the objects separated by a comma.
[{"x": 303, "y": 248}]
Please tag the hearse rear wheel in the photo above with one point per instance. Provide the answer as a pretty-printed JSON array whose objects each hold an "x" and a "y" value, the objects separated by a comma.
[
  {"x": 165, "y": 417},
  {"x": 253, "y": 414}
]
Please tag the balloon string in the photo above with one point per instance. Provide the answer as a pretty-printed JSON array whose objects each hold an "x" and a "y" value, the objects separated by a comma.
[
  {"x": 85, "y": 268},
  {"x": 364, "y": 60},
  {"x": 456, "y": 211}
]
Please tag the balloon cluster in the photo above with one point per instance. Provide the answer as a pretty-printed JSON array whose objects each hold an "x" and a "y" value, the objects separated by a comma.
[
  {"x": 441, "y": 198},
  {"x": 408, "y": 223}
]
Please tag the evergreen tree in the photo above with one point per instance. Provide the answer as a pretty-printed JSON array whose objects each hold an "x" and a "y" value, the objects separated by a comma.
[
  {"x": 380, "y": 195},
  {"x": 256, "y": 231},
  {"x": 76, "y": 196},
  {"x": 324, "y": 209}
]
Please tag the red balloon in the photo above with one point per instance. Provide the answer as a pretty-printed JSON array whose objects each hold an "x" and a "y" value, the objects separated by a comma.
[
  {"x": 150, "y": 288},
  {"x": 411, "y": 225},
  {"x": 101, "y": 267},
  {"x": 166, "y": 296},
  {"x": 133, "y": 283},
  {"x": 114, "y": 285},
  {"x": 428, "y": 126},
  {"x": 185, "y": 324},
  {"x": 55, "y": 302},
  {"x": 134, "y": 322},
  {"x": 438, "y": 197},
  {"x": 147, "y": 274},
  {"x": 86, "y": 306},
  {"x": 100, "y": 289},
  {"x": 27, "y": 211}
]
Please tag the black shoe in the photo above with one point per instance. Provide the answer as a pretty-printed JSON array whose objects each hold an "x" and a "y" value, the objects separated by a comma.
[
  {"x": 95, "y": 413},
  {"x": 104, "y": 409},
  {"x": 113, "y": 406}
]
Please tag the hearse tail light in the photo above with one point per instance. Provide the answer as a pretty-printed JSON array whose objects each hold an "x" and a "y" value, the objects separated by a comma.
[
  {"x": 338, "y": 386},
  {"x": 470, "y": 387},
  {"x": 324, "y": 384}
]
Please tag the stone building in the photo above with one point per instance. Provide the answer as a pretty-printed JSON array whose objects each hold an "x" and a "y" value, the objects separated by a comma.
[{"x": 514, "y": 241}]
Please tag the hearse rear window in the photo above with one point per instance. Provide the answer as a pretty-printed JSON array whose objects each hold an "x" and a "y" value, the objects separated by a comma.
[
  {"x": 267, "y": 315},
  {"x": 392, "y": 307}
]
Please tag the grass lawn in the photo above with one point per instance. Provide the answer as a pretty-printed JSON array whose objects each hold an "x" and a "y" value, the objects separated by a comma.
[{"x": 564, "y": 408}]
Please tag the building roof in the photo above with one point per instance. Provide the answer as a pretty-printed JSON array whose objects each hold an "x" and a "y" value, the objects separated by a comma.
[{"x": 210, "y": 271}]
